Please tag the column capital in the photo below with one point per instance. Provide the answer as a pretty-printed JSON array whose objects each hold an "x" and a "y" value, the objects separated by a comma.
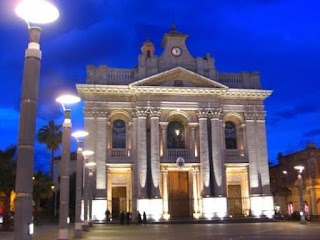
[
  {"x": 154, "y": 112},
  {"x": 163, "y": 125},
  {"x": 202, "y": 113},
  {"x": 193, "y": 125},
  {"x": 141, "y": 112},
  {"x": 215, "y": 113}
]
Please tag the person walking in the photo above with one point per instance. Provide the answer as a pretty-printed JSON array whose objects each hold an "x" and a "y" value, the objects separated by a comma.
[
  {"x": 122, "y": 218},
  {"x": 107, "y": 213},
  {"x": 144, "y": 219},
  {"x": 139, "y": 221}
]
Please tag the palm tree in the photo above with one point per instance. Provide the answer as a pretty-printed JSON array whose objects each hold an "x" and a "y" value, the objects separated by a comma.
[
  {"x": 51, "y": 135},
  {"x": 7, "y": 182}
]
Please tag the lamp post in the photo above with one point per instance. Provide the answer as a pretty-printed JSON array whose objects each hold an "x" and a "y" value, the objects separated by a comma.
[
  {"x": 300, "y": 168},
  {"x": 86, "y": 154},
  {"x": 90, "y": 166},
  {"x": 65, "y": 167},
  {"x": 79, "y": 180},
  {"x": 38, "y": 12}
]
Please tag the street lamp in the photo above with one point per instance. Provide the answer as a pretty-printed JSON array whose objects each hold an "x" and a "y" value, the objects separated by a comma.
[
  {"x": 78, "y": 225},
  {"x": 86, "y": 154},
  {"x": 37, "y": 12},
  {"x": 90, "y": 166},
  {"x": 300, "y": 168},
  {"x": 65, "y": 166}
]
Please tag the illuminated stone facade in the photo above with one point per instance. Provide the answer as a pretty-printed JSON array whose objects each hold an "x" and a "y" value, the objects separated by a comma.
[
  {"x": 284, "y": 182},
  {"x": 176, "y": 138}
]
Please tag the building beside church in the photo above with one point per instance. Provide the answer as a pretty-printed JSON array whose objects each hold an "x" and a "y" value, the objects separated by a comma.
[
  {"x": 176, "y": 138},
  {"x": 284, "y": 182}
]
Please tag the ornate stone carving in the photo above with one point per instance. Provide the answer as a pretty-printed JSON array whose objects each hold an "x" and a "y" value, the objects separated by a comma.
[
  {"x": 202, "y": 113},
  {"x": 95, "y": 112},
  {"x": 142, "y": 112},
  {"x": 215, "y": 113},
  {"x": 155, "y": 112},
  {"x": 255, "y": 112}
]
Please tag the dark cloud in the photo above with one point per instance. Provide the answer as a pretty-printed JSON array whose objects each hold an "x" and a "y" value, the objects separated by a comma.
[{"x": 312, "y": 133}]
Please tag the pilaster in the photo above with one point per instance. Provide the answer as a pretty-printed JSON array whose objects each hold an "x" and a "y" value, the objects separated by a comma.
[
  {"x": 217, "y": 158},
  {"x": 204, "y": 152},
  {"x": 155, "y": 154},
  {"x": 142, "y": 152}
]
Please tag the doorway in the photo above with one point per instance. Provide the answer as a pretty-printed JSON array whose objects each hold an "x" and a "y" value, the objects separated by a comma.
[
  {"x": 234, "y": 200},
  {"x": 119, "y": 201},
  {"x": 178, "y": 190}
]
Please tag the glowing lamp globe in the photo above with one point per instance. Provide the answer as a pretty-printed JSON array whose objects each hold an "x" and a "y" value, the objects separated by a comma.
[
  {"x": 37, "y": 11},
  {"x": 68, "y": 99},
  {"x": 79, "y": 134},
  {"x": 87, "y": 153}
]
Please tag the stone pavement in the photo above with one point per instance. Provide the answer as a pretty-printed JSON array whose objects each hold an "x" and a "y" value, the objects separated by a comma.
[{"x": 216, "y": 231}]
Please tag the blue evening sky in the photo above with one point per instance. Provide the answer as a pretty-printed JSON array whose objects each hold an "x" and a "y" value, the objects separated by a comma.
[{"x": 278, "y": 38}]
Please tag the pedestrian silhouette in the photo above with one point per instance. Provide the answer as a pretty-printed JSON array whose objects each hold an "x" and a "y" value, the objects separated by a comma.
[
  {"x": 144, "y": 218},
  {"x": 122, "y": 218},
  {"x": 128, "y": 218},
  {"x": 139, "y": 221},
  {"x": 107, "y": 213}
]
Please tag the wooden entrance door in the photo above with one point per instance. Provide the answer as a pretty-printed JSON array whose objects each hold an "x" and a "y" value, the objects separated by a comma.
[
  {"x": 178, "y": 189},
  {"x": 118, "y": 201},
  {"x": 234, "y": 200}
]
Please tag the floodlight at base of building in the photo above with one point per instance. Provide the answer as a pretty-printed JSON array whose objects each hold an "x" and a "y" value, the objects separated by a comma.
[
  {"x": 196, "y": 215},
  {"x": 31, "y": 228},
  {"x": 166, "y": 216}
]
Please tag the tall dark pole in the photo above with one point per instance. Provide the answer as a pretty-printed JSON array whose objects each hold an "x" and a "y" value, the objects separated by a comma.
[
  {"x": 27, "y": 122},
  {"x": 86, "y": 197},
  {"x": 90, "y": 196},
  {"x": 302, "y": 214},
  {"x": 79, "y": 182},
  {"x": 64, "y": 178}
]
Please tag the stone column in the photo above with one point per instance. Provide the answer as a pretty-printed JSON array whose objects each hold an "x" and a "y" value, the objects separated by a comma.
[
  {"x": 217, "y": 158},
  {"x": 196, "y": 207},
  {"x": 129, "y": 138},
  {"x": 142, "y": 153},
  {"x": 155, "y": 154},
  {"x": 164, "y": 126},
  {"x": 255, "y": 188},
  {"x": 165, "y": 192},
  {"x": 100, "y": 152},
  {"x": 192, "y": 127},
  {"x": 263, "y": 165},
  {"x": 204, "y": 153},
  {"x": 133, "y": 155}
]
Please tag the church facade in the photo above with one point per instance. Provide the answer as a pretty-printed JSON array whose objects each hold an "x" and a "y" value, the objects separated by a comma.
[{"x": 176, "y": 138}]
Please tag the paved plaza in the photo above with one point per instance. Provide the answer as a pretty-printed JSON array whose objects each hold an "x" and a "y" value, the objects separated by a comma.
[{"x": 230, "y": 231}]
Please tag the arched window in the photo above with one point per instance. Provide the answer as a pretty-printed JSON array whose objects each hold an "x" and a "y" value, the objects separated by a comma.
[
  {"x": 148, "y": 53},
  {"x": 175, "y": 135},
  {"x": 290, "y": 208},
  {"x": 119, "y": 134},
  {"x": 230, "y": 135}
]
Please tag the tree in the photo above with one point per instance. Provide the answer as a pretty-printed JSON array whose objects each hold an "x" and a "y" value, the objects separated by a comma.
[
  {"x": 42, "y": 193},
  {"x": 51, "y": 135},
  {"x": 7, "y": 182}
]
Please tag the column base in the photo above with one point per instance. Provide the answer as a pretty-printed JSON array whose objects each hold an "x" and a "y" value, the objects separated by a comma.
[
  {"x": 63, "y": 234},
  {"x": 78, "y": 233},
  {"x": 152, "y": 207},
  {"x": 85, "y": 227},
  {"x": 214, "y": 207}
]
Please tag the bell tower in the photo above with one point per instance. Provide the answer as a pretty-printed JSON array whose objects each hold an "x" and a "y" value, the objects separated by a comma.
[{"x": 147, "y": 48}]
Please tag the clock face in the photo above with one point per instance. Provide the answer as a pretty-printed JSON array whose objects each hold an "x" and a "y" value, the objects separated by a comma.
[{"x": 176, "y": 51}]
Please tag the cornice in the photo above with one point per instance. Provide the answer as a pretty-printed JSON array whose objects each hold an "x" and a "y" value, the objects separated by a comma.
[{"x": 86, "y": 90}]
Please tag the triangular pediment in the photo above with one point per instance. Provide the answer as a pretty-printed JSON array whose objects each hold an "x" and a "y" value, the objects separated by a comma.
[{"x": 178, "y": 77}]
